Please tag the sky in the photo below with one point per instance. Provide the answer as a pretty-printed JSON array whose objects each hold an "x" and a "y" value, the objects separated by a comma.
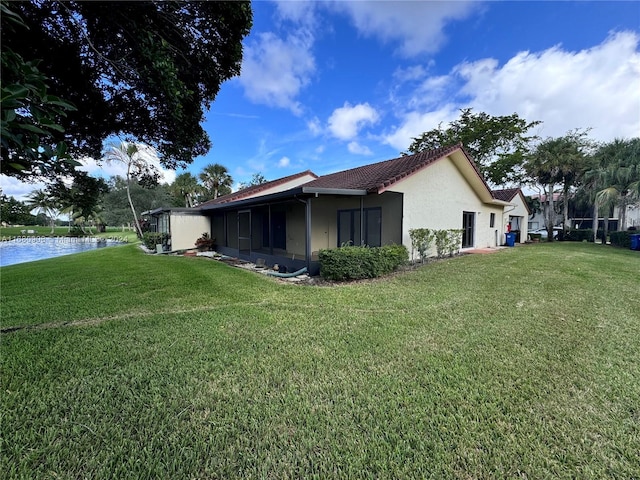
[{"x": 332, "y": 85}]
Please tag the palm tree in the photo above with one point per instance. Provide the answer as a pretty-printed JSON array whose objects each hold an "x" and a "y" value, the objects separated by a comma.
[
  {"x": 216, "y": 178},
  {"x": 621, "y": 176},
  {"x": 44, "y": 203},
  {"x": 140, "y": 160},
  {"x": 185, "y": 187}
]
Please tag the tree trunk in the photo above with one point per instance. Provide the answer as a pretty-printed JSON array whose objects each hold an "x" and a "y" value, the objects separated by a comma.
[
  {"x": 622, "y": 213},
  {"x": 565, "y": 210},
  {"x": 133, "y": 210},
  {"x": 550, "y": 213},
  {"x": 595, "y": 221},
  {"x": 605, "y": 225}
]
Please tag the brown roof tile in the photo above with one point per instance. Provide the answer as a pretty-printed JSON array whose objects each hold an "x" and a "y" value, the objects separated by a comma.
[
  {"x": 255, "y": 189},
  {"x": 377, "y": 176},
  {"x": 506, "y": 195}
]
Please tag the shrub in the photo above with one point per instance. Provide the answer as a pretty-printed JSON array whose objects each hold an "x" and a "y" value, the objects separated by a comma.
[
  {"x": 354, "y": 263},
  {"x": 621, "y": 239},
  {"x": 447, "y": 241},
  {"x": 421, "y": 239},
  {"x": 151, "y": 239},
  {"x": 205, "y": 242}
]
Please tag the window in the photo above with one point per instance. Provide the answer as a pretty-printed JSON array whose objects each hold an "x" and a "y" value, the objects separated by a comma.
[
  {"x": 351, "y": 231},
  {"x": 492, "y": 220}
]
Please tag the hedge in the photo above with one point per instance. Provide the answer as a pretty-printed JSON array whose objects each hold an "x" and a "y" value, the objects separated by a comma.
[
  {"x": 354, "y": 263},
  {"x": 622, "y": 239}
]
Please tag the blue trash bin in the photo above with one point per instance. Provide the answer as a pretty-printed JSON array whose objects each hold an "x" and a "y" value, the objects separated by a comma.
[
  {"x": 510, "y": 239},
  {"x": 635, "y": 241}
]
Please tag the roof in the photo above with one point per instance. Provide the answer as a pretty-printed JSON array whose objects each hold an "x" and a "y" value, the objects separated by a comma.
[
  {"x": 377, "y": 177},
  {"x": 507, "y": 194},
  {"x": 254, "y": 190},
  {"x": 372, "y": 178}
]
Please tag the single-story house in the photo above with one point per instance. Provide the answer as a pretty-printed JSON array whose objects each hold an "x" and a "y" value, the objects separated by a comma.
[
  {"x": 517, "y": 214},
  {"x": 288, "y": 221}
]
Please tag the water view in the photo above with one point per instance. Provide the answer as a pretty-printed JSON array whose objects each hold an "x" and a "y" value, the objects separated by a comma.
[{"x": 29, "y": 249}]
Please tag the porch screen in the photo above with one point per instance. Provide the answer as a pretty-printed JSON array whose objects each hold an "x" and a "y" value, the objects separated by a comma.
[{"x": 354, "y": 232}]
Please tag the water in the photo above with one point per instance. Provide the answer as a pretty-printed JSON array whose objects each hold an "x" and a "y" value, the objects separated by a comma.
[{"x": 29, "y": 249}]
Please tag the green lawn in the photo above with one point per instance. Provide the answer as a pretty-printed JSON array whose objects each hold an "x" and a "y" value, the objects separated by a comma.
[{"x": 520, "y": 364}]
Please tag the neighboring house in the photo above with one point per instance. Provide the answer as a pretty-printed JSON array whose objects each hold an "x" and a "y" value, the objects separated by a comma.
[{"x": 517, "y": 214}]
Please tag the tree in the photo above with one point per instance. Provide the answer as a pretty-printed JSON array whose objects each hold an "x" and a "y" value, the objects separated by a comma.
[
  {"x": 216, "y": 179},
  {"x": 497, "y": 144},
  {"x": 141, "y": 163},
  {"x": 82, "y": 200},
  {"x": 145, "y": 69},
  {"x": 43, "y": 202},
  {"x": 619, "y": 176},
  {"x": 558, "y": 162},
  {"x": 30, "y": 118},
  {"x": 13, "y": 211},
  {"x": 185, "y": 189},
  {"x": 117, "y": 210},
  {"x": 256, "y": 179}
]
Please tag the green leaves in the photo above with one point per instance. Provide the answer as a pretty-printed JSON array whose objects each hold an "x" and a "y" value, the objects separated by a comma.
[{"x": 497, "y": 144}]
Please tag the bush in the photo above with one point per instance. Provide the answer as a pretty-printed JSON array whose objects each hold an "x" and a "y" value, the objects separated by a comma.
[
  {"x": 354, "y": 263},
  {"x": 621, "y": 239},
  {"x": 421, "y": 239},
  {"x": 151, "y": 239},
  {"x": 205, "y": 242}
]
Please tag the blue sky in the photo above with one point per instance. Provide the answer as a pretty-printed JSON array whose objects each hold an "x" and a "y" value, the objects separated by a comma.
[{"x": 327, "y": 86}]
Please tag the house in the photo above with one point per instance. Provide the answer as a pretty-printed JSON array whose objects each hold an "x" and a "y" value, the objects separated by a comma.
[
  {"x": 288, "y": 221},
  {"x": 517, "y": 214}
]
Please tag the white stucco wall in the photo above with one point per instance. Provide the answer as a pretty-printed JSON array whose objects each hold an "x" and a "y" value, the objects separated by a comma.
[
  {"x": 185, "y": 229},
  {"x": 436, "y": 198},
  {"x": 518, "y": 208}
]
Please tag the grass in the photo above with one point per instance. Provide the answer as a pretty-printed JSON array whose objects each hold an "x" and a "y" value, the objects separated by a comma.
[{"x": 523, "y": 364}]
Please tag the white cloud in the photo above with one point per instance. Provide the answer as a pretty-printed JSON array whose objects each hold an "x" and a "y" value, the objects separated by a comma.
[
  {"x": 357, "y": 149},
  {"x": 345, "y": 122},
  {"x": 597, "y": 87},
  {"x": 418, "y": 26},
  {"x": 315, "y": 126},
  {"x": 284, "y": 162},
  {"x": 414, "y": 123},
  {"x": 12, "y": 187},
  {"x": 107, "y": 170},
  {"x": 275, "y": 70}
]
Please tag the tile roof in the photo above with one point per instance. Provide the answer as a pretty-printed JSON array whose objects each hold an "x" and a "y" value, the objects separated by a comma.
[
  {"x": 378, "y": 176},
  {"x": 506, "y": 194},
  {"x": 255, "y": 189}
]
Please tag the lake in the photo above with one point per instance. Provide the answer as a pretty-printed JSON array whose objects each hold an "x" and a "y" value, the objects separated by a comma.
[{"x": 28, "y": 249}]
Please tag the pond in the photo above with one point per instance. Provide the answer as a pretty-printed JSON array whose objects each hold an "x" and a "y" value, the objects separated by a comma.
[{"x": 28, "y": 249}]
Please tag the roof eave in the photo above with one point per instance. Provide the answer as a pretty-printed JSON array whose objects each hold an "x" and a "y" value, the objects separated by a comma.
[{"x": 334, "y": 191}]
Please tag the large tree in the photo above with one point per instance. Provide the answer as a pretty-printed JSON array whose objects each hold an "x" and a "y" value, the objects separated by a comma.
[
  {"x": 145, "y": 69},
  {"x": 497, "y": 144},
  {"x": 216, "y": 180},
  {"x": 618, "y": 174},
  {"x": 141, "y": 162},
  {"x": 555, "y": 166},
  {"x": 185, "y": 189}
]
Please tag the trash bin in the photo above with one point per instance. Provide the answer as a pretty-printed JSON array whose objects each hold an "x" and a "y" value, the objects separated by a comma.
[
  {"x": 635, "y": 241},
  {"x": 510, "y": 239}
]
